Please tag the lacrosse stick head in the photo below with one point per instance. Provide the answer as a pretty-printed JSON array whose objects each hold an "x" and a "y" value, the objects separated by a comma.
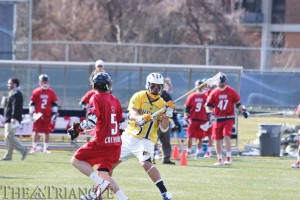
[
  {"x": 290, "y": 113},
  {"x": 206, "y": 126},
  {"x": 36, "y": 116},
  {"x": 216, "y": 80}
]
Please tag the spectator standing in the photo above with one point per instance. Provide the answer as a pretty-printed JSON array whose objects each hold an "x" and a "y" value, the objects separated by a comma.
[
  {"x": 104, "y": 115},
  {"x": 140, "y": 135},
  {"x": 43, "y": 100},
  {"x": 99, "y": 67},
  {"x": 220, "y": 111},
  {"x": 164, "y": 137},
  {"x": 13, "y": 107}
]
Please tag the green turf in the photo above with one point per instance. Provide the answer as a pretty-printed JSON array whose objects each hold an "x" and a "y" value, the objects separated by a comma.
[{"x": 248, "y": 178}]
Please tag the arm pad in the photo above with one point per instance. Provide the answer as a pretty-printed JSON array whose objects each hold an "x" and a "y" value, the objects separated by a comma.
[
  {"x": 89, "y": 122},
  {"x": 31, "y": 107},
  {"x": 54, "y": 108},
  {"x": 187, "y": 109},
  {"x": 209, "y": 104}
]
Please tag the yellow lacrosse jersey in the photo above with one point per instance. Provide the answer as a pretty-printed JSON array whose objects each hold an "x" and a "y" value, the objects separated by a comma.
[{"x": 141, "y": 102}]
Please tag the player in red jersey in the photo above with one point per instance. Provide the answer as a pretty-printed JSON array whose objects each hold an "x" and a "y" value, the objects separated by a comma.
[
  {"x": 104, "y": 114},
  {"x": 43, "y": 100},
  {"x": 220, "y": 111},
  {"x": 86, "y": 98},
  {"x": 194, "y": 117}
]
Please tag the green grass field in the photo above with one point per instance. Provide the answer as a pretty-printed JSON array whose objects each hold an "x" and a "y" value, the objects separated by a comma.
[{"x": 51, "y": 176}]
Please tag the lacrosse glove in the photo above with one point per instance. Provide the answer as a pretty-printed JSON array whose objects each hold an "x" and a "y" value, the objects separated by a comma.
[
  {"x": 211, "y": 117},
  {"x": 185, "y": 122},
  {"x": 246, "y": 113},
  {"x": 75, "y": 130},
  {"x": 143, "y": 119}
]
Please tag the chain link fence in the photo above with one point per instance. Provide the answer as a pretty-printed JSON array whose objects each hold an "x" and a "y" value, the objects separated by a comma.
[
  {"x": 23, "y": 28},
  {"x": 248, "y": 57}
]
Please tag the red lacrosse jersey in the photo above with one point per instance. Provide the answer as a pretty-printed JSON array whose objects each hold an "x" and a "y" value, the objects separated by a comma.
[
  {"x": 86, "y": 98},
  {"x": 197, "y": 101},
  {"x": 43, "y": 100},
  {"x": 223, "y": 101},
  {"x": 108, "y": 110}
]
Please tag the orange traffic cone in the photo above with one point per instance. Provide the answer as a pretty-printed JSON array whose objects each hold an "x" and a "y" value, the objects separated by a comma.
[
  {"x": 175, "y": 154},
  {"x": 183, "y": 160}
]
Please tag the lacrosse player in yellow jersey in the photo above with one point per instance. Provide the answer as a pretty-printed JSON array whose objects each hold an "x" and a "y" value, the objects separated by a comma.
[{"x": 140, "y": 136}]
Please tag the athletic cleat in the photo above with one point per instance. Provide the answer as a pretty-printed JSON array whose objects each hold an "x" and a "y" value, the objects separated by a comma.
[
  {"x": 198, "y": 155},
  {"x": 47, "y": 151},
  {"x": 32, "y": 150},
  {"x": 219, "y": 162},
  {"x": 167, "y": 196},
  {"x": 296, "y": 165},
  {"x": 228, "y": 161},
  {"x": 189, "y": 155},
  {"x": 207, "y": 155},
  {"x": 168, "y": 162}
]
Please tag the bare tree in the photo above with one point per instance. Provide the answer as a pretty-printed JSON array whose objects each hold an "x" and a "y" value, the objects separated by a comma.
[{"x": 191, "y": 22}]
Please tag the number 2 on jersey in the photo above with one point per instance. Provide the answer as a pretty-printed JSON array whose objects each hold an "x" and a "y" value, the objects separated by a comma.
[{"x": 44, "y": 103}]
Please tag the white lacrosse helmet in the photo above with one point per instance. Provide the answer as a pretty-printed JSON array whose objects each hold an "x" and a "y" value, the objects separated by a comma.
[
  {"x": 44, "y": 81},
  {"x": 155, "y": 78}
]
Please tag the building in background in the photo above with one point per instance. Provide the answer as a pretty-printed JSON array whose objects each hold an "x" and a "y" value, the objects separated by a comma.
[{"x": 272, "y": 24}]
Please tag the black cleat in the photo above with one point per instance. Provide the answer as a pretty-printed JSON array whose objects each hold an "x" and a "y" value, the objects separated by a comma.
[{"x": 169, "y": 162}]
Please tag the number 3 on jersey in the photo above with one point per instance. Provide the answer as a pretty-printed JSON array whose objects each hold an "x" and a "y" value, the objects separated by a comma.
[{"x": 223, "y": 104}]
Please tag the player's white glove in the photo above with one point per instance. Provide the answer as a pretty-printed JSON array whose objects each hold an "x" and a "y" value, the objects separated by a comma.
[
  {"x": 83, "y": 105},
  {"x": 143, "y": 119},
  {"x": 169, "y": 112},
  {"x": 211, "y": 117},
  {"x": 186, "y": 123}
]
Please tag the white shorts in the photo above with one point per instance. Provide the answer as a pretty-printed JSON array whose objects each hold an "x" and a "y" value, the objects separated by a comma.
[{"x": 132, "y": 146}]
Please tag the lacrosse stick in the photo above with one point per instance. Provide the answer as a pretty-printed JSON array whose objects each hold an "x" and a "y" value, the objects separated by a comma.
[
  {"x": 179, "y": 144},
  {"x": 34, "y": 118},
  {"x": 284, "y": 113},
  {"x": 210, "y": 82},
  {"x": 206, "y": 126}
]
